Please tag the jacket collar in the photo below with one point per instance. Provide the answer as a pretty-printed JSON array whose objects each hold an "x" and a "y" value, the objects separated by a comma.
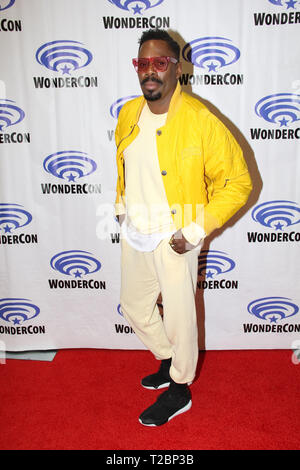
[{"x": 174, "y": 104}]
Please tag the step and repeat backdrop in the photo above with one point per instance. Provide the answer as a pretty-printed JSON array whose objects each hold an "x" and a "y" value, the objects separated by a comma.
[{"x": 66, "y": 72}]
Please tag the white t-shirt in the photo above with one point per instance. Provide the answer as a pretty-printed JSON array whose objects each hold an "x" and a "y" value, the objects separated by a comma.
[{"x": 148, "y": 217}]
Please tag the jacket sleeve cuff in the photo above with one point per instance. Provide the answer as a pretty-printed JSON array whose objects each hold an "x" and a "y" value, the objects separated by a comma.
[
  {"x": 193, "y": 233},
  {"x": 119, "y": 208}
]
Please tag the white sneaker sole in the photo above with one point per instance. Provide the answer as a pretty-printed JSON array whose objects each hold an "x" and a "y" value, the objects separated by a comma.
[
  {"x": 179, "y": 412},
  {"x": 165, "y": 385}
]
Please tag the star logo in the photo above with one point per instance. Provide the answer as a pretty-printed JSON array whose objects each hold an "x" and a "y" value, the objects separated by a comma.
[
  {"x": 137, "y": 9},
  {"x": 283, "y": 122},
  {"x": 212, "y": 67},
  {"x": 209, "y": 274},
  {"x": 7, "y": 229},
  {"x": 71, "y": 177},
  {"x": 66, "y": 70},
  {"x": 279, "y": 226},
  {"x": 291, "y": 4},
  {"x": 77, "y": 273}
]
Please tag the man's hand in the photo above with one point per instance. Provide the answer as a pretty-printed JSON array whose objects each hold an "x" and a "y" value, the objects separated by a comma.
[{"x": 180, "y": 244}]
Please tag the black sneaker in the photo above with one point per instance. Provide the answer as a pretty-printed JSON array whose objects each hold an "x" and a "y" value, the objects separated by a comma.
[
  {"x": 161, "y": 379},
  {"x": 172, "y": 402}
]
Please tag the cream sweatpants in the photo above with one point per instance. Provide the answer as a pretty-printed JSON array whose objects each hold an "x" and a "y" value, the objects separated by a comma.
[{"x": 144, "y": 275}]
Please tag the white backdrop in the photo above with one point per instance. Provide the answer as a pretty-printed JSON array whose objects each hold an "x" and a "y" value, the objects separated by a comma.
[{"x": 65, "y": 72}]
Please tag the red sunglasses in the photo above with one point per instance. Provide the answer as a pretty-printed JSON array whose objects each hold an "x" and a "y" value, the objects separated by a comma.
[{"x": 160, "y": 63}]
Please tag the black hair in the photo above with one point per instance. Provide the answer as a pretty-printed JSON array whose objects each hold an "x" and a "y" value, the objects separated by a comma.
[{"x": 162, "y": 35}]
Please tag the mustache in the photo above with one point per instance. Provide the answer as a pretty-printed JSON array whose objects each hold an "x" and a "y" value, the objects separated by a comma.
[{"x": 151, "y": 79}]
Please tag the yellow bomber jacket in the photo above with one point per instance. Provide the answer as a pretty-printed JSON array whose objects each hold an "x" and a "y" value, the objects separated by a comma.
[{"x": 205, "y": 176}]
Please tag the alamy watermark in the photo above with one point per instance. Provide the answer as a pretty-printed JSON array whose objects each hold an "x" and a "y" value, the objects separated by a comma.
[{"x": 146, "y": 216}]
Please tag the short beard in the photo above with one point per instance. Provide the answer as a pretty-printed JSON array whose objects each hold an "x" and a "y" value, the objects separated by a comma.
[{"x": 150, "y": 97}]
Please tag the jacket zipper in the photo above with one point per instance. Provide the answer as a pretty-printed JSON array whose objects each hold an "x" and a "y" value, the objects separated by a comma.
[
  {"x": 126, "y": 136},
  {"x": 123, "y": 159}
]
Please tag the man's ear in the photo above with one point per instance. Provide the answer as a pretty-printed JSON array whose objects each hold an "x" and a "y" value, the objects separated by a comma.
[{"x": 178, "y": 69}]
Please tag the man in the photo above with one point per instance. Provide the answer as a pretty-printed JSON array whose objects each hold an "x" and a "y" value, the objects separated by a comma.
[{"x": 181, "y": 174}]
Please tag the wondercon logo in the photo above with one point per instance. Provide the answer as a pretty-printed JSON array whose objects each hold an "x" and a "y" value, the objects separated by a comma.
[
  {"x": 211, "y": 53},
  {"x": 63, "y": 56},
  {"x": 69, "y": 165},
  {"x": 17, "y": 311},
  {"x": 281, "y": 3},
  {"x": 139, "y": 6},
  {"x": 273, "y": 308},
  {"x": 117, "y": 105},
  {"x": 280, "y": 108},
  {"x": 4, "y": 4},
  {"x": 214, "y": 263},
  {"x": 75, "y": 263},
  {"x": 277, "y": 215},
  {"x": 13, "y": 216},
  {"x": 10, "y": 114}
]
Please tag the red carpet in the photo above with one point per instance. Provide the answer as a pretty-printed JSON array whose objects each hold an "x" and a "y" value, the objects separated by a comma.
[{"x": 91, "y": 399}]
